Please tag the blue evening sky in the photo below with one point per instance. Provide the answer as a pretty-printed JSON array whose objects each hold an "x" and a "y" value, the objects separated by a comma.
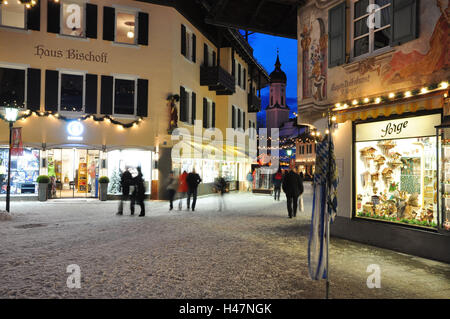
[{"x": 265, "y": 51}]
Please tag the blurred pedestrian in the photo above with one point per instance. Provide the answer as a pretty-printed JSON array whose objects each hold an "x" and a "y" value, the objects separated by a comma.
[
  {"x": 249, "y": 181},
  {"x": 193, "y": 180},
  {"x": 277, "y": 178},
  {"x": 182, "y": 188},
  {"x": 126, "y": 180},
  {"x": 221, "y": 187},
  {"x": 138, "y": 194},
  {"x": 172, "y": 188},
  {"x": 293, "y": 187}
]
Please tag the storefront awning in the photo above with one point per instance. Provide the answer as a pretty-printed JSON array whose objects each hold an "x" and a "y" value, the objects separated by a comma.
[{"x": 374, "y": 111}]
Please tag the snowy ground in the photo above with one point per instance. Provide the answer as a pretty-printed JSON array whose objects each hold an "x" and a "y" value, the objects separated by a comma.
[{"x": 250, "y": 251}]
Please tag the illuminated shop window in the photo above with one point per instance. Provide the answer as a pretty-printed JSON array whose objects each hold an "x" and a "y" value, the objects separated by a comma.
[{"x": 12, "y": 14}]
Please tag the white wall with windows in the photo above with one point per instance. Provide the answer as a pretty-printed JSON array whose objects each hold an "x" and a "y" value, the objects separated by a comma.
[{"x": 12, "y": 14}]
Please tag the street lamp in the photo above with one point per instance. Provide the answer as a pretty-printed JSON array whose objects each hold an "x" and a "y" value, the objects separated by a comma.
[{"x": 11, "y": 113}]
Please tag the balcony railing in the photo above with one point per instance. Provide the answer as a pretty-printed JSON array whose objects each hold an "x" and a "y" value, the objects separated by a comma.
[
  {"x": 254, "y": 103},
  {"x": 217, "y": 79}
]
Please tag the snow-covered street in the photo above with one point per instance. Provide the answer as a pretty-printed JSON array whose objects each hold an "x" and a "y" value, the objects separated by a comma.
[{"x": 252, "y": 250}]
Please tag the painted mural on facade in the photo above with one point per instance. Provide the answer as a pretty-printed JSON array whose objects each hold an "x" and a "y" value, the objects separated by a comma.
[
  {"x": 314, "y": 43},
  {"x": 423, "y": 61}
]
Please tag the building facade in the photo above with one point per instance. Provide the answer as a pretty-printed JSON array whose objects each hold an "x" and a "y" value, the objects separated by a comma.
[
  {"x": 104, "y": 85},
  {"x": 382, "y": 69}
]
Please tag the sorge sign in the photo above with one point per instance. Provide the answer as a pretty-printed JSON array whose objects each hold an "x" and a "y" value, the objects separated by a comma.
[{"x": 71, "y": 54}]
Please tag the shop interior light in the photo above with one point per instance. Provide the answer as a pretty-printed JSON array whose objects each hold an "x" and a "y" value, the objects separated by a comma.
[
  {"x": 338, "y": 105},
  {"x": 318, "y": 133},
  {"x": 408, "y": 94},
  {"x": 391, "y": 95},
  {"x": 5, "y": 2},
  {"x": 327, "y": 131},
  {"x": 366, "y": 100},
  {"x": 377, "y": 100},
  {"x": 333, "y": 118},
  {"x": 444, "y": 85},
  {"x": 424, "y": 90},
  {"x": 355, "y": 102}
]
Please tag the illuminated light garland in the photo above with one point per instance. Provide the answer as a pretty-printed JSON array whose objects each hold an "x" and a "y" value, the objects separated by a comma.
[
  {"x": 444, "y": 85},
  {"x": 106, "y": 118}
]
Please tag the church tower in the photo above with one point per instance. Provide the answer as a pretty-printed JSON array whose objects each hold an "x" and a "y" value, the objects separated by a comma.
[{"x": 277, "y": 112}]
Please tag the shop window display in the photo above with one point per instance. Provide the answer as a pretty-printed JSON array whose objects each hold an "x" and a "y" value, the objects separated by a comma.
[
  {"x": 396, "y": 180},
  {"x": 24, "y": 171},
  {"x": 444, "y": 176}
]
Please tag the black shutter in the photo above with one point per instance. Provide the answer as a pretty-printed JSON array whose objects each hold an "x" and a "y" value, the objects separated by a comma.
[
  {"x": 53, "y": 12},
  {"x": 404, "y": 22},
  {"x": 91, "y": 94},
  {"x": 51, "y": 90},
  {"x": 243, "y": 121},
  {"x": 205, "y": 113},
  {"x": 109, "y": 17},
  {"x": 34, "y": 17},
  {"x": 91, "y": 21},
  {"x": 106, "y": 97},
  {"x": 142, "y": 97},
  {"x": 182, "y": 104},
  {"x": 245, "y": 79},
  {"x": 214, "y": 58},
  {"x": 239, "y": 74},
  {"x": 143, "y": 28},
  {"x": 194, "y": 47},
  {"x": 233, "y": 66},
  {"x": 239, "y": 119},
  {"x": 336, "y": 35},
  {"x": 233, "y": 117},
  {"x": 194, "y": 105},
  {"x": 33, "y": 89},
  {"x": 183, "y": 40},
  {"x": 205, "y": 54},
  {"x": 213, "y": 124}
]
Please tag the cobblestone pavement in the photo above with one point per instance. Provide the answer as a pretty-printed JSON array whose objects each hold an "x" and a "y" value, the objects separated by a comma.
[{"x": 252, "y": 250}]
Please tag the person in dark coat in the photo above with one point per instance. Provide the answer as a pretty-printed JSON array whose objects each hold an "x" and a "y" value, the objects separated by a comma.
[
  {"x": 277, "y": 179},
  {"x": 293, "y": 187},
  {"x": 221, "y": 187},
  {"x": 193, "y": 180},
  {"x": 125, "y": 182},
  {"x": 138, "y": 194}
]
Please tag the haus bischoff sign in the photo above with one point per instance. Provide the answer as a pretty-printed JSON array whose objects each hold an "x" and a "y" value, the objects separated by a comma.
[
  {"x": 399, "y": 128},
  {"x": 70, "y": 54}
]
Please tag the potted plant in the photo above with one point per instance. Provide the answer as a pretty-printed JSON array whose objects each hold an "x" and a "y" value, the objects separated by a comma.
[
  {"x": 43, "y": 181},
  {"x": 103, "y": 182}
]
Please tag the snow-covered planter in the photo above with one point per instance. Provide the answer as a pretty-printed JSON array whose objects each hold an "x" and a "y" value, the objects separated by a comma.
[
  {"x": 103, "y": 182},
  {"x": 42, "y": 181}
]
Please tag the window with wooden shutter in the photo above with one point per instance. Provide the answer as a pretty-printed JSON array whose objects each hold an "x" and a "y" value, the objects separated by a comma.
[
  {"x": 336, "y": 35},
  {"x": 404, "y": 21},
  {"x": 106, "y": 97},
  {"x": 142, "y": 98},
  {"x": 194, "y": 48},
  {"x": 205, "y": 113},
  {"x": 91, "y": 21},
  {"x": 51, "y": 90},
  {"x": 91, "y": 94},
  {"x": 183, "y": 40},
  {"x": 233, "y": 117},
  {"x": 142, "y": 28},
  {"x": 182, "y": 104},
  {"x": 53, "y": 16},
  {"x": 33, "y": 89},
  {"x": 34, "y": 17},
  {"x": 109, "y": 18},
  {"x": 193, "y": 107},
  {"x": 213, "y": 115},
  {"x": 205, "y": 55}
]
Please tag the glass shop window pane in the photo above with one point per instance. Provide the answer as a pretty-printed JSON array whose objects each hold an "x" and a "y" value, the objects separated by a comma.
[
  {"x": 72, "y": 19},
  {"x": 124, "y": 96},
  {"x": 361, "y": 28},
  {"x": 361, "y": 46},
  {"x": 361, "y": 8},
  {"x": 382, "y": 38},
  {"x": 71, "y": 93},
  {"x": 13, "y": 14},
  {"x": 125, "y": 28},
  {"x": 385, "y": 17}
]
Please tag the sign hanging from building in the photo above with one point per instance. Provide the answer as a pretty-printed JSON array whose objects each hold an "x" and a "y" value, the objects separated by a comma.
[
  {"x": 16, "y": 141},
  {"x": 398, "y": 128}
]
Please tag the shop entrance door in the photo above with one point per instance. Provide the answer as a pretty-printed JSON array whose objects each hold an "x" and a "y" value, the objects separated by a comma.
[{"x": 73, "y": 172}]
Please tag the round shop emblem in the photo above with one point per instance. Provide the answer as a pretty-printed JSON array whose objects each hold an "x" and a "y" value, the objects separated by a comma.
[{"x": 75, "y": 129}]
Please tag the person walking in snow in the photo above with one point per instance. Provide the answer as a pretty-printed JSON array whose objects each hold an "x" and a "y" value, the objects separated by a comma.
[
  {"x": 172, "y": 188},
  {"x": 182, "y": 189},
  {"x": 193, "y": 180},
  {"x": 138, "y": 194},
  {"x": 125, "y": 182}
]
